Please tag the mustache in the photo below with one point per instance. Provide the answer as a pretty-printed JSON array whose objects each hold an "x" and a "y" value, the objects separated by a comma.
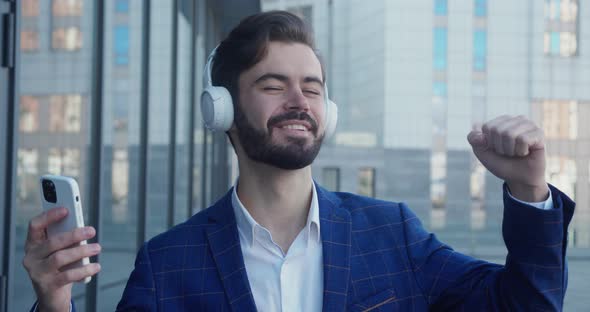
[{"x": 293, "y": 115}]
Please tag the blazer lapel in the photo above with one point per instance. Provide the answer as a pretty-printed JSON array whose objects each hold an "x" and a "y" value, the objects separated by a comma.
[
  {"x": 335, "y": 229},
  {"x": 225, "y": 245}
]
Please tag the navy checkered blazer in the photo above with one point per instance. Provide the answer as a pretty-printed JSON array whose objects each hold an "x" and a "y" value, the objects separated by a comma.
[{"x": 377, "y": 257}]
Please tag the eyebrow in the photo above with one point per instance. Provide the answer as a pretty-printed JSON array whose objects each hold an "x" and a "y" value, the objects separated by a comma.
[{"x": 284, "y": 78}]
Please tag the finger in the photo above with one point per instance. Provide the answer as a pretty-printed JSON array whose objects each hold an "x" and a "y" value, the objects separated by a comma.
[
  {"x": 77, "y": 274},
  {"x": 477, "y": 139},
  {"x": 61, "y": 258},
  {"x": 521, "y": 142},
  {"x": 534, "y": 140},
  {"x": 509, "y": 130},
  {"x": 500, "y": 135},
  {"x": 489, "y": 127},
  {"x": 65, "y": 240},
  {"x": 39, "y": 224}
]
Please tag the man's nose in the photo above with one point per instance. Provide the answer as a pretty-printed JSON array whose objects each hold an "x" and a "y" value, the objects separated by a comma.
[{"x": 298, "y": 101}]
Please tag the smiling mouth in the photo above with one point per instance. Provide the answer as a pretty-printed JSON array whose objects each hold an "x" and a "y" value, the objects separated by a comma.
[{"x": 295, "y": 127}]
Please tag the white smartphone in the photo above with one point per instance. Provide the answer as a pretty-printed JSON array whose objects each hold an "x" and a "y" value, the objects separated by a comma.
[{"x": 62, "y": 191}]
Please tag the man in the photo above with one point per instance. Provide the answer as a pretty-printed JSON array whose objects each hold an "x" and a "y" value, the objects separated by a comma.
[{"x": 277, "y": 241}]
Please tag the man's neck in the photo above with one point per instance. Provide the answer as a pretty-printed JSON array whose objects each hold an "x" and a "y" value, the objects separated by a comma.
[{"x": 277, "y": 199}]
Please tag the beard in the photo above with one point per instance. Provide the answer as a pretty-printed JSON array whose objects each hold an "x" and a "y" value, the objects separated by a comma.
[{"x": 292, "y": 155}]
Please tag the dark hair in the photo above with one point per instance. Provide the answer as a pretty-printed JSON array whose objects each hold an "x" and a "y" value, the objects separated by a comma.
[{"x": 247, "y": 43}]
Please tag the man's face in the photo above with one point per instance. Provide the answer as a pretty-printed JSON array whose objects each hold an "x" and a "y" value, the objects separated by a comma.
[{"x": 280, "y": 114}]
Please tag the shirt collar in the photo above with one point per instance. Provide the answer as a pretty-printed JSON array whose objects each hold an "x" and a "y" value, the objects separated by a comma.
[{"x": 246, "y": 224}]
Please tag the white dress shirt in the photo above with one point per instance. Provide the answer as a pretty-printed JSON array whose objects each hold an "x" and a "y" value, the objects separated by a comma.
[{"x": 292, "y": 281}]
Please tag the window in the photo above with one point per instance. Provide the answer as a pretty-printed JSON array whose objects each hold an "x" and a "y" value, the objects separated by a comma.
[
  {"x": 477, "y": 180},
  {"x": 65, "y": 113},
  {"x": 120, "y": 180},
  {"x": 440, "y": 7},
  {"x": 366, "y": 182},
  {"x": 121, "y": 45},
  {"x": 120, "y": 112},
  {"x": 331, "y": 178},
  {"x": 67, "y": 7},
  {"x": 29, "y": 40},
  {"x": 122, "y": 6},
  {"x": 68, "y": 39},
  {"x": 561, "y": 28},
  {"x": 561, "y": 10},
  {"x": 29, "y": 114},
  {"x": 562, "y": 172},
  {"x": 480, "y": 8},
  {"x": 304, "y": 12},
  {"x": 479, "y": 50},
  {"x": 27, "y": 171},
  {"x": 439, "y": 89},
  {"x": 30, "y": 8},
  {"x": 440, "y": 48},
  {"x": 438, "y": 174},
  {"x": 560, "y": 119},
  {"x": 64, "y": 162}
]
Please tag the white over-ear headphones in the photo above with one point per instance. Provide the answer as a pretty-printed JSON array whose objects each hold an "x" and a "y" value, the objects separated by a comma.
[{"x": 218, "y": 111}]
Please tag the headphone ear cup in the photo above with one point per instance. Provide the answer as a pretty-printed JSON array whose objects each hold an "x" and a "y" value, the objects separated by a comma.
[
  {"x": 331, "y": 119},
  {"x": 217, "y": 108}
]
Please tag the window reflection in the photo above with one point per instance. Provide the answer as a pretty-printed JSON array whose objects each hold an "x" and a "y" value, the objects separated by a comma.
[
  {"x": 561, "y": 28},
  {"x": 480, "y": 8},
  {"x": 479, "y": 50},
  {"x": 366, "y": 182},
  {"x": 331, "y": 178},
  {"x": 440, "y": 48},
  {"x": 29, "y": 114},
  {"x": 29, "y": 40},
  {"x": 121, "y": 39},
  {"x": 30, "y": 8},
  {"x": 560, "y": 119},
  {"x": 68, "y": 39},
  {"x": 440, "y": 7},
  {"x": 64, "y": 161},
  {"x": 122, "y": 6},
  {"x": 561, "y": 171},
  {"x": 67, "y": 7},
  {"x": 304, "y": 12},
  {"x": 65, "y": 113},
  {"x": 27, "y": 171},
  {"x": 120, "y": 185}
]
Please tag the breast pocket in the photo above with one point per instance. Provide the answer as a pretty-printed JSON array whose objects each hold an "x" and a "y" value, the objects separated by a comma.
[{"x": 383, "y": 301}]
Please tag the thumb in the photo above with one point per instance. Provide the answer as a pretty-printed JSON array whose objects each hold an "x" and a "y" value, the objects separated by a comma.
[{"x": 477, "y": 139}]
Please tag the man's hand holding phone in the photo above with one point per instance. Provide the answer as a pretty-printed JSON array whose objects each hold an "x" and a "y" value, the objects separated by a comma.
[
  {"x": 47, "y": 259},
  {"x": 56, "y": 253}
]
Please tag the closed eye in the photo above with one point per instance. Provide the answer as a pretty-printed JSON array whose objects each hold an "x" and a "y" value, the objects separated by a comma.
[
  {"x": 272, "y": 89},
  {"x": 314, "y": 92}
]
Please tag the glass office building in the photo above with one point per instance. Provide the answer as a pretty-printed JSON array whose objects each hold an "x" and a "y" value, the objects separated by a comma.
[{"x": 107, "y": 92}]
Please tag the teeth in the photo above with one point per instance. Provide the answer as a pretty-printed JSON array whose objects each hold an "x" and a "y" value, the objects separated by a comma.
[{"x": 295, "y": 127}]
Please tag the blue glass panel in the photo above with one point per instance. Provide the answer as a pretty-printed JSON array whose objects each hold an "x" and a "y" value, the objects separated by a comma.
[
  {"x": 479, "y": 49},
  {"x": 555, "y": 43},
  {"x": 122, "y": 6},
  {"x": 480, "y": 8},
  {"x": 440, "y": 48},
  {"x": 440, "y": 7},
  {"x": 556, "y": 8},
  {"x": 439, "y": 88},
  {"x": 121, "y": 45}
]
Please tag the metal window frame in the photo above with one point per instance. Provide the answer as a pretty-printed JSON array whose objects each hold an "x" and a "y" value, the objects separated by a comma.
[
  {"x": 173, "y": 108},
  {"x": 10, "y": 10},
  {"x": 96, "y": 144}
]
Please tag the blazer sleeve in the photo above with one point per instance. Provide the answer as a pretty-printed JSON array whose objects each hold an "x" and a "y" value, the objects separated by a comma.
[
  {"x": 140, "y": 292},
  {"x": 533, "y": 278}
]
